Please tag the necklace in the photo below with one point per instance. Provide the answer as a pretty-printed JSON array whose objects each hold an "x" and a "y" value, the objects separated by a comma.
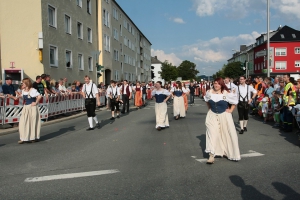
[{"x": 216, "y": 91}]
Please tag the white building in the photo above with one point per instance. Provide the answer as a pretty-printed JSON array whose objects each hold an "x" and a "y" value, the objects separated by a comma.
[{"x": 156, "y": 68}]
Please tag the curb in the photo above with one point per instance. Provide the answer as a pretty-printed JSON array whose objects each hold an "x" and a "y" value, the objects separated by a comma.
[{"x": 16, "y": 129}]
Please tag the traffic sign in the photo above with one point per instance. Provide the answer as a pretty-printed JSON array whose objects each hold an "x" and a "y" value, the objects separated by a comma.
[{"x": 261, "y": 53}]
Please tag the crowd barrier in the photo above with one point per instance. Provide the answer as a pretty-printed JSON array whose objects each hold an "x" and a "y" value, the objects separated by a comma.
[{"x": 10, "y": 109}]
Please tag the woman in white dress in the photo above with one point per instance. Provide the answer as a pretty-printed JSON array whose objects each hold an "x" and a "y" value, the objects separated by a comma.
[
  {"x": 161, "y": 109},
  {"x": 30, "y": 122},
  {"x": 221, "y": 136},
  {"x": 178, "y": 101}
]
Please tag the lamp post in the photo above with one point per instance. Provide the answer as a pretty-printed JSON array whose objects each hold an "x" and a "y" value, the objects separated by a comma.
[{"x": 268, "y": 38}]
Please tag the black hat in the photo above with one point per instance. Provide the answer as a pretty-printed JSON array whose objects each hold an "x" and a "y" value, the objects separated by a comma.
[{"x": 8, "y": 78}]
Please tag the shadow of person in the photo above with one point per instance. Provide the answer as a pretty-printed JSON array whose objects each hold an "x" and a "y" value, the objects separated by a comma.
[
  {"x": 57, "y": 133},
  {"x": 202, "y": 144},
  {"x": 1, "y": 145},
  {"x": 248, "y": 191},
  {"x": 289, "y": 193}
]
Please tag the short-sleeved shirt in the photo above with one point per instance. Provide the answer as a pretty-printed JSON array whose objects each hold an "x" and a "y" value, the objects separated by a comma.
[
  {"x": 44, "y": 83},
  {"x": 39, "y": 87},
  {"x": 242, "y": 92},
  {"x": 113, "y": 91},
  {"x": 48, "y": 86},
  {"x": 9, "y": 89},
  {"x": 89, "y": 91}
]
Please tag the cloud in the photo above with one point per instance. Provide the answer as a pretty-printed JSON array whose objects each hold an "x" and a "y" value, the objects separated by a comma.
[
  {"x": 238, "y": 9},
  {"x": 162, "y": 56},
  {"x": 178, "y": 20}
]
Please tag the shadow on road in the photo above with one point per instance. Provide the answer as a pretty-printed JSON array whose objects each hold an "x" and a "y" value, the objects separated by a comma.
[
  {"x": 1, "y": 145},
  {"x": 57, "y": 133},
  {"x": 248, "y": 191},
  {"x": 202, "y": 144},
  {"x": 289, "y": 193}
]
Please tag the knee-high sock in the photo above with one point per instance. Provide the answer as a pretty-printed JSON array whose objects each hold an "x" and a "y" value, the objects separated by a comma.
[
  {"x": 90, "y": 119},
  {"x": 96, "y": 120},
  {"x": 245, "y": 123},
  {"x": 242, "y": 124}
]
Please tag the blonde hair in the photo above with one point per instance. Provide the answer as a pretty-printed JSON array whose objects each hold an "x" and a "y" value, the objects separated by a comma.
[
  {"x": 52, "y": 82},
  {"x": 27, "y": 82}
]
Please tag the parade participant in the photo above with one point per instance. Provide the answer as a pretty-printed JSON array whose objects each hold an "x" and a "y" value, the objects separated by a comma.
[
  {"x": 91, "y": 95},
  {"x": 244, "y": 100},
  {"x": 178, "y": 101},
  {"x": 114, "y": 95},
  {"x": 231, "y": 86},
  {"x": 185, "y": 100},
  {"x": 193, "y": 89},
  {"x": 144, "y": 91},
  {"x": 161, "y": 109},
  {"x": 289, "y": 99},
  {"x": 126, "y": 95},
  {"x": 30, "y": 123},
  {"x": 203, "y": 89},
  {"x": 138, "y": 95},
  {"x": 221, "y": 137},
  {"x": 149, "y": 90}
]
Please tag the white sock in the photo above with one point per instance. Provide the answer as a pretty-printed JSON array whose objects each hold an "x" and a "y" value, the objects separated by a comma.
[
  {"x": 96, "y": 120},
  {"x": 113, "y": 115},
  {"x": 242, "y": 125},
  {"x": 90, "y": 119},
  {"x": 245, "y": 123}
]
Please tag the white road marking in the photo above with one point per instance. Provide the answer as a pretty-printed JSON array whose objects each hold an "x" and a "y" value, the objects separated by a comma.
[
  {"x": 247, "y": 155},
  {"x": 69, "y": 176}
]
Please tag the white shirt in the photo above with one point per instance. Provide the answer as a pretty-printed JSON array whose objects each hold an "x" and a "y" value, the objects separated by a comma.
[
  {"x": 62, "y": 88},
  {"x": 32, "y": 93},
  {"x": 242, "y": 92},
  {"x": 184, "y": 90},
  {"x": 231, "y": 86},
  {"x": 113, "y": 91},
  {"x": 164, "y": 91},
  {"x": 125, "y": 87},
  {"x": 87, "y": 88}
]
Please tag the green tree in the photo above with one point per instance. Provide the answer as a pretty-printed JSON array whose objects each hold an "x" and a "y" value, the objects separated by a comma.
[
  {"x": 168, "y": 71},
  {"x": 187, "y": 70},
  {"x": 233, "y": 70}
]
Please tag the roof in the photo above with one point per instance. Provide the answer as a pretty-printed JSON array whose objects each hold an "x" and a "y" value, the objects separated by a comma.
[
  {"x": 154, "y": 60},
  {"x": 131, "y": 21},
  {"x": 286, "y": 34}
]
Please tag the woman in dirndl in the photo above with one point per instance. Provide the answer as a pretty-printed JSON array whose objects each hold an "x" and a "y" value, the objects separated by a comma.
[
  {"x": 138, "y": 95},
  {"x": 185, "y": 99},
  {"x": 30, "y": 122},
  {"x": 161, "y": 109},
  {"x": 178, "y": 101},
  {"x": 221, "y": 136}
]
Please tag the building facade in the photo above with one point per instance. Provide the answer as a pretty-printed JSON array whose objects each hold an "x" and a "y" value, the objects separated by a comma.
[
  {"x": 156, "y": 69},
  {"x": 67, "y": 39}
]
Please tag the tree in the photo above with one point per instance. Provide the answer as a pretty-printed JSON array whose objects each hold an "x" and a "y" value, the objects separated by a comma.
[
  {"x": 168, "y": 71},
  {"x": 187, "y": 70},
  {"x": 233, "y": 70}
]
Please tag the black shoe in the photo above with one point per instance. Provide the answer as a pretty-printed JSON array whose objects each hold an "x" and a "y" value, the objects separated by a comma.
[
  {"x": 118, "y": 116},
  {"x": 158, "y": 128},
  {"x": 241, "y": 132},
  {"x": 98, "y": 125},
  {"x": 90, "y": 129},
  {"x": 123, "y": 112},
  {"x": 245, "y": 129},
  {"x": 112, "y": 118}
]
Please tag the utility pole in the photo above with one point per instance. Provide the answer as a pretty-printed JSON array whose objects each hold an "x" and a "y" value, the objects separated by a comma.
[{"x": 268, "y": 38}]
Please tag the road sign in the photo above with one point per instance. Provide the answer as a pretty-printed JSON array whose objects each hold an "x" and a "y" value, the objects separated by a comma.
[{"x": 261, "y": 53}]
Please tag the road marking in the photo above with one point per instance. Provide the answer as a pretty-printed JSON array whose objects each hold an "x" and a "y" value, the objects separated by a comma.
[
  {"x": 69, "y": 176},
  {"x": 247, "y": 155}
]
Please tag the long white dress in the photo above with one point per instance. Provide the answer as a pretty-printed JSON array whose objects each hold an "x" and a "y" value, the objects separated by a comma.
[
  {"x": 161, "y": 108},
  {"x": 221, "y": 136},
  {"x": 178, "y": 102}
]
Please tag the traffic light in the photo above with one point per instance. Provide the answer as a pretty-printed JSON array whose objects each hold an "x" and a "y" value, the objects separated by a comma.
[
  {"x": 152, "y": 72},
  {"x": 99, "y": 70}
]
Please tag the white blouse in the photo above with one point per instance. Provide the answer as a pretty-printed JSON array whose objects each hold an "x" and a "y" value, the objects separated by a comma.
[
  {"x": 184, "y": 90},
  {"x": 32, "y": 93},
  {"x": 230, "y": 97},
  {"x": 164, "y": 91}
]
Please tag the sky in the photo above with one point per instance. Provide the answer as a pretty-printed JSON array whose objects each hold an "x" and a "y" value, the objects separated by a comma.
[{"x": 206, "y": 32}]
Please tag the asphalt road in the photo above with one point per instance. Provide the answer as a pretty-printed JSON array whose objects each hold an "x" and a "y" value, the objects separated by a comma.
[{"x": 129, "y": 159}]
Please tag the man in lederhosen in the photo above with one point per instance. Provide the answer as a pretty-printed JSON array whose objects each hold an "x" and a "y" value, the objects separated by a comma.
[
  {"x": 90, "y": 93},
  {"x": 244, "y": 95},
  {"x": 114, "y": 95},
  {"x": 126, "y": 95}
]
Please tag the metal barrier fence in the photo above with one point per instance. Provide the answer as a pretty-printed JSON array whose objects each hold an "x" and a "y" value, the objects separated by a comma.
[{"x": 11, "y": 110}]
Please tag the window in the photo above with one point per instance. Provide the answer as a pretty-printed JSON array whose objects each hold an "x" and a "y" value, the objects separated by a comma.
[
  {"x": 116, "y": 34},
  {"x": 297, "y": 63},
  {"x": 106, "y": 20},
  {"x": 116, "y": 55},
  {"x": 79, "y": 30},
  {"x": 280, "y": 65},
  {"x": 106, "y": 43},
  {"x": 121, "y": 30},
  {"x": 89, "y": 6},
  {"x": 280, "y": 51},
  {"x": 89, "y": 34},
  {"x": 68, "y": 58},
  {"x": 80, "y": 62},
  {"x": 107, "y": 1},
  {"x": 129, "y": 77},
  {"x": 115, "y": 14},
  {"x": 52, "y": 16},
  {"x": 297, "y": 50},
  {"x": 116, "y": 75},
  {"x": 255, "y": 67},
  {"x": 79, "y": 3},
  {"x": 68, "y": 24},
  {"x": 53, "y": 56},
  {"x": 90, "y": 62},
  {"x": 282, "y": 36},
  {"x": 293, "y": 35}
]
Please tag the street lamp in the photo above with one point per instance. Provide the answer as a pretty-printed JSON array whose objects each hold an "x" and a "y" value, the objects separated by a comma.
[{"x": 268, "y": 38}]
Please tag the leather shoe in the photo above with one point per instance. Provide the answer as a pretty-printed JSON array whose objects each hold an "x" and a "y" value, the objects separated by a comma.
[
  {"x": 158, "y": 128},
  {"x": 241, "y": 132},
  {"x": 245, "y": 129},
  {"x": 98, "y": 125},
  {"x": 211, "y": 159},
  {"x": 90, "y": 129}
]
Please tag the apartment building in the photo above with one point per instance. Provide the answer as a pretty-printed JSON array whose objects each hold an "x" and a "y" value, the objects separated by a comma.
[
  {"x": 125, "y": 51},
  {"x": 49, "y": 36}
]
